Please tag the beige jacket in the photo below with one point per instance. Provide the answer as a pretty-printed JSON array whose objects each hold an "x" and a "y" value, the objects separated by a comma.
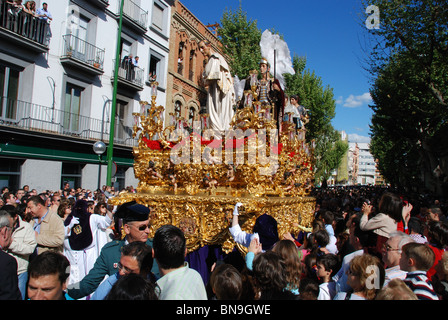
[
  {"x": 51, "y": 236},
  {"x": 22, "y": 245},
  {"x": 381, "y": 224}
]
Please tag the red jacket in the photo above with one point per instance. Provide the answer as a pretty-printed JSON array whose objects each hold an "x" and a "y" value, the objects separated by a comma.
[{"x": 438, "y": 253}]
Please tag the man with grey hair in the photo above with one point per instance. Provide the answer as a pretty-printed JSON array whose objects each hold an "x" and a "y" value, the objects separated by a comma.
[
  {"x": 9, "y": 283},
  {"x": 392, "y": 254}
]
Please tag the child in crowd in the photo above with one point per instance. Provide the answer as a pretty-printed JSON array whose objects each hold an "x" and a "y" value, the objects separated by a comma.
[
  {"x": 309, "y": 289},
  {"x": 226, "y": 282},
  {"x": 396, "y": 289},
  {"x": 416, "y": 230},
  {"x": 417, "y": 259},
  {"x": 288, "y": 251},
  {"x": 327, "y": 266}
]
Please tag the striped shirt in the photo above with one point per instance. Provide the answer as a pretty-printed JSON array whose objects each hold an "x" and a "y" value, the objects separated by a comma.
[{"x": 421, "y": 285}]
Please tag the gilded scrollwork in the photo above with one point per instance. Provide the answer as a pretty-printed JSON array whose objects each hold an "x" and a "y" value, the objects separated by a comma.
[{"x": 269, "y": 176}]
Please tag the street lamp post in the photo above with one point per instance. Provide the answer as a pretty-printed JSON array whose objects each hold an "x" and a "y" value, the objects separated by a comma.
[
  {"x": 110, "y": 148},
  {"x": 99, "y": 148}
]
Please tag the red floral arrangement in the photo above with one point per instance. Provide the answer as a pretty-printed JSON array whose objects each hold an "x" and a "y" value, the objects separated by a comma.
[
  {"x": 277, "y": 149},
  {"x": 153, "y": 144}
]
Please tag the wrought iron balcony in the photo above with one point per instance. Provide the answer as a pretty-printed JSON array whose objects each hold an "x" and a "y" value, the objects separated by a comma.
[
  {"x": 33, "y": 117},
  {"x": 81, "y": 54},
  {"x": 134, "y": 16},
  {"x": 21, "y": 28},
  {"x": 101, "y": 3},
  {"x": 130, "y": 76}
]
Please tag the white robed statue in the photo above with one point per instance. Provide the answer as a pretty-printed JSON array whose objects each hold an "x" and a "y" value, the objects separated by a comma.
[{"x": 221, "y": 93}]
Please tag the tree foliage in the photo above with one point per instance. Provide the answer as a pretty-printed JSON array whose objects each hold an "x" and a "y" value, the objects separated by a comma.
[
  {"x": 409, "y": 62},
  {"x": 320, "y": 102},
  {"x": 241, "y": 44},
  {"x": 240, "y": 38}
]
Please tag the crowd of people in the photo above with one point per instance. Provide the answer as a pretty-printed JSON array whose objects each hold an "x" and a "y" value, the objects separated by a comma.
[
  {"x": 129, "y": 64},
  {"x": 27, "y": 20},
  {"x": 366, "y": 243}
]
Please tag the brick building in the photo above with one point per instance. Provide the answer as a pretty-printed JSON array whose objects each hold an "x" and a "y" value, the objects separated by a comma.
[{"x": 186, "y": 95}]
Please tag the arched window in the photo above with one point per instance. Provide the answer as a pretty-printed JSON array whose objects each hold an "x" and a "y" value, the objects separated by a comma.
[
  {"x": 177, "y": 109},
  {"x": 180, "y": 58},
  {"x": 191, "y": 116},
  {"x": 191, "y": 66}
]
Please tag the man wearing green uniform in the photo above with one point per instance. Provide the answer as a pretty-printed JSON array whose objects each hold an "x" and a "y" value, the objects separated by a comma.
[{"x": 133, "y": 220}]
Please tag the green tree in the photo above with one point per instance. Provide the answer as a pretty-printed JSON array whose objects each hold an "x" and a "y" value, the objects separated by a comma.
[
  {"x": 240, "y": 38},
  {"x": 418, "y": 29},
  {"x": 330, "y": 150},
  {"x": 405, "y": 125},
  {"x": 409, "y": 63},
  {"x": 321, "y": 105}
]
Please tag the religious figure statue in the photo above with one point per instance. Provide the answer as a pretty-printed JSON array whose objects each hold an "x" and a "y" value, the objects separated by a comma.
[
  {"x": 152, "y": 172},
  {"x": 221, "y": 93},
  {"x": 270, "y": 92},
  {"x": 302, "y": 112}
]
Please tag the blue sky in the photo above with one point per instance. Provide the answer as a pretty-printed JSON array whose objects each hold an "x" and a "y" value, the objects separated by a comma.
[{"x": 329, "y": 33}]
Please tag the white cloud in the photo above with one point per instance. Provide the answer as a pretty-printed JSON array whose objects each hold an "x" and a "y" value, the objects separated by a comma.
[
  {"x": 354, "y": 137},
  {"x": 339, "y": 100},
  {"x": 356, "y": 101}
]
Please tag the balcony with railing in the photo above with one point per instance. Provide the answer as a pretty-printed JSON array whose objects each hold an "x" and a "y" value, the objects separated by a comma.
[
  {"x": 130, "y": 76},
  {"x": 22, "y": 29},
  {"x": 134, "y": 16},
  {"x": 80, "y": 54},
  {"x": 100, "y": 3},
  {"x": 33, "y": 117}
]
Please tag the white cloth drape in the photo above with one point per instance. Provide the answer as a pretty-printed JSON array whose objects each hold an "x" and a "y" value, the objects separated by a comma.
[{"x": 221, "y": 97}]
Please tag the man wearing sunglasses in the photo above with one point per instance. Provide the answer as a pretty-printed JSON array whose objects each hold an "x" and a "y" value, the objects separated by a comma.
[
  {"x": 136, "y": 257},
  {"x": 133, "y": 223}
]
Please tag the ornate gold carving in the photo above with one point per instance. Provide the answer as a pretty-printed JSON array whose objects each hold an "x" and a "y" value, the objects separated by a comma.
[
  {"x": 269, "y": 172},
  {"x": 206, "y": 219}
]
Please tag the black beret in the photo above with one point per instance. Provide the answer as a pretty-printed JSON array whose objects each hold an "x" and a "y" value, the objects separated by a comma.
[{"x": 132, "y": 211}]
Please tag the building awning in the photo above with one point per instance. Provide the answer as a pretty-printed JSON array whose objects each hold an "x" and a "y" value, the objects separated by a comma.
[{"x": 12, "y": 150}]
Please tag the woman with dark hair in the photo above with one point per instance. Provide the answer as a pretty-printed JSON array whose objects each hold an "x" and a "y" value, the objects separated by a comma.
[
  {"x": 416, "y": 230},
  {"x": 133, "y": 286},
  {"x": 103, "y": 235},
  {"x": 64, "y": 209},
  {"x": 270, "y": 278},
  {"x": 390, "y": 212},
  {"x": 288, "y": 251},
  {"x": 437, "y": 241}
]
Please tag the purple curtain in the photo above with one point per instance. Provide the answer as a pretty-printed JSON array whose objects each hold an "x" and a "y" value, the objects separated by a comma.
[{"x": 203, "y": 258}]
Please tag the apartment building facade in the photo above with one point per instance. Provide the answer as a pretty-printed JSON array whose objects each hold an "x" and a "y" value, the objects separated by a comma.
[
  {"x": 362, "y": 165},
  {"x": 56, "y": 83}
]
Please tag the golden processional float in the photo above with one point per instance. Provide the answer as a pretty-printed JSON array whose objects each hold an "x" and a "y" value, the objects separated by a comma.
[{"x": 193, "y": 182}]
